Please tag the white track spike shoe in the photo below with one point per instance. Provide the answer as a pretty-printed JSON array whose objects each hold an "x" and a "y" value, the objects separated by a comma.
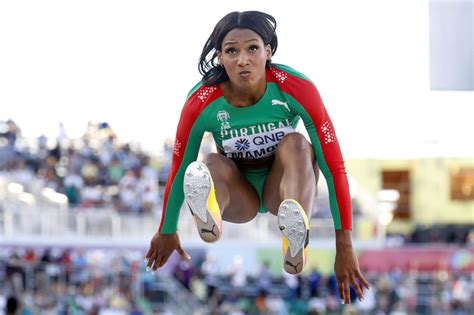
[
  {"x": 294, "y": 226},
  {"x": 200, "y": 196}
]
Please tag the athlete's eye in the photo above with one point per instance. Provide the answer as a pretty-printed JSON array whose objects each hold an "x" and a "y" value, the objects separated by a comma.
[
  {"x": 253, "y": 48},
  {"x": 230, "y": 51}
]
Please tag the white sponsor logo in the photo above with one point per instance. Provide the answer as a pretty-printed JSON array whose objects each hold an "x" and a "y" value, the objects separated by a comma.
[
  {"x": 277, "y": 102},
  {"x": 257, "y": 145}
]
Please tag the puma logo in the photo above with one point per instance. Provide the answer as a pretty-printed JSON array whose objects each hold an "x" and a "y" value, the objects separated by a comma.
[
  {"x": 277, "y": 102},
  {"x": 291, "y": 265},
  {"x": 209, "y": 231}
]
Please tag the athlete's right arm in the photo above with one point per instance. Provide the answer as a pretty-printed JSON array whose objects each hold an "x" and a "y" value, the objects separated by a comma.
[
  {"x": 189, "y": 134},
  {"x": 166, "y": 240},
  {"x": 185, "y": 150},
  {"x": 191, "y": 128}
]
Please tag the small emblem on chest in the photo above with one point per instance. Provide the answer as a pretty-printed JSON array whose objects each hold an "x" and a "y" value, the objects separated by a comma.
[{"x": 223, "y": 116}]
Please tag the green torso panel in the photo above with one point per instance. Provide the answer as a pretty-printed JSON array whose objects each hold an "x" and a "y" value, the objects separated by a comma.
[{"x": 251, "y": 132}]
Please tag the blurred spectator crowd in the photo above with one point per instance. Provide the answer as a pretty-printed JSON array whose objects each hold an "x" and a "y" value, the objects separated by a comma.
[
  {"x": 98, "y": 170},
  {"x": 63, "y": 281},
  {"x": 232, "y": 291},
  {"x": 94, "y": 171}
]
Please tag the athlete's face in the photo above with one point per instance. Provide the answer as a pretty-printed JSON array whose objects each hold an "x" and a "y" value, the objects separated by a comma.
[{"x": 243, "y": 55}]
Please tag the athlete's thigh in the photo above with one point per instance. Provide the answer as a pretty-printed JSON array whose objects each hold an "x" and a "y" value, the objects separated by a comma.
[
  {"x": 242, "y": 200},
  {"x": 271, "y": 189}
]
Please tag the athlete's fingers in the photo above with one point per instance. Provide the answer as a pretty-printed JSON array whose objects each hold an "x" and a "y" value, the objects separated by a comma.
[
  {"x": 148, "y": 253},
  {"x": 347, "y": 292},
  {"x": 182, "y": 253},
  {"x": 362, "y": 280},
  {"x": 340, "y": 290},
  {"x": 153, "y": 265},
  {"x": 357, "y": 287},
  {"x": 150, "y": 260}
]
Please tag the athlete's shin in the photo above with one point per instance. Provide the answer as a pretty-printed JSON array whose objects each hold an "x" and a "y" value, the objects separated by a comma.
[{"x": 298, "y": 179}]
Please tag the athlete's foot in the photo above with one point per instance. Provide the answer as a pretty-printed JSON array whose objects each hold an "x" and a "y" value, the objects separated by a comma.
[
  {"x": 294, "y": 226},
  {"x": 200, "y": 196}
]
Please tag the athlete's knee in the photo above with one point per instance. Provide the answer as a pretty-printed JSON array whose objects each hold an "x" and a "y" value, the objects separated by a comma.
[
  {"x": 294, "y": 143},
  {"x": 217, "y": 163}
]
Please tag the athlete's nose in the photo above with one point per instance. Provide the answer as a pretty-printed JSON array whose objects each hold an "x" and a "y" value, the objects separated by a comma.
[{"x": 243, "y": 59}]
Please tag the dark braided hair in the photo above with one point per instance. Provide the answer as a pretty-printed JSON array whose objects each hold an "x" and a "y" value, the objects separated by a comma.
[{"x": 261, "y": 23}]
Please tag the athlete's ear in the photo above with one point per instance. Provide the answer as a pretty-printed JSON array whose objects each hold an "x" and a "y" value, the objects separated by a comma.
[{"x": 268, "y": 50}]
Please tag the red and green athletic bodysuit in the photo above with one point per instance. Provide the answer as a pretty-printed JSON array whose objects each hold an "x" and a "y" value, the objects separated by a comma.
[{"x": 253, "y": 132}]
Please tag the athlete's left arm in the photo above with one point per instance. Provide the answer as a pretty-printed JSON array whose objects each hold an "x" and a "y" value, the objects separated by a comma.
[
  {"x": 304, "y": 99},
  {"x": 307, "y": 103}
]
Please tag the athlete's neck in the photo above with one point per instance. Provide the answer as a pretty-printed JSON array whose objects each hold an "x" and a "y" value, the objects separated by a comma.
[{"x": 242, "y": 96}]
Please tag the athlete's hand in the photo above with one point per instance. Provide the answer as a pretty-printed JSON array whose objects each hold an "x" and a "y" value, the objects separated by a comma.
[
  {"x": 161, "y": 248},
  {"x": 347, "y": 269}
]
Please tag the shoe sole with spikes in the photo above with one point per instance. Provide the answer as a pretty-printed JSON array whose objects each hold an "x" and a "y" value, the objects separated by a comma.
[
  {"x": 200, "y": 197},
  {"x": 294, "y": 226}
]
